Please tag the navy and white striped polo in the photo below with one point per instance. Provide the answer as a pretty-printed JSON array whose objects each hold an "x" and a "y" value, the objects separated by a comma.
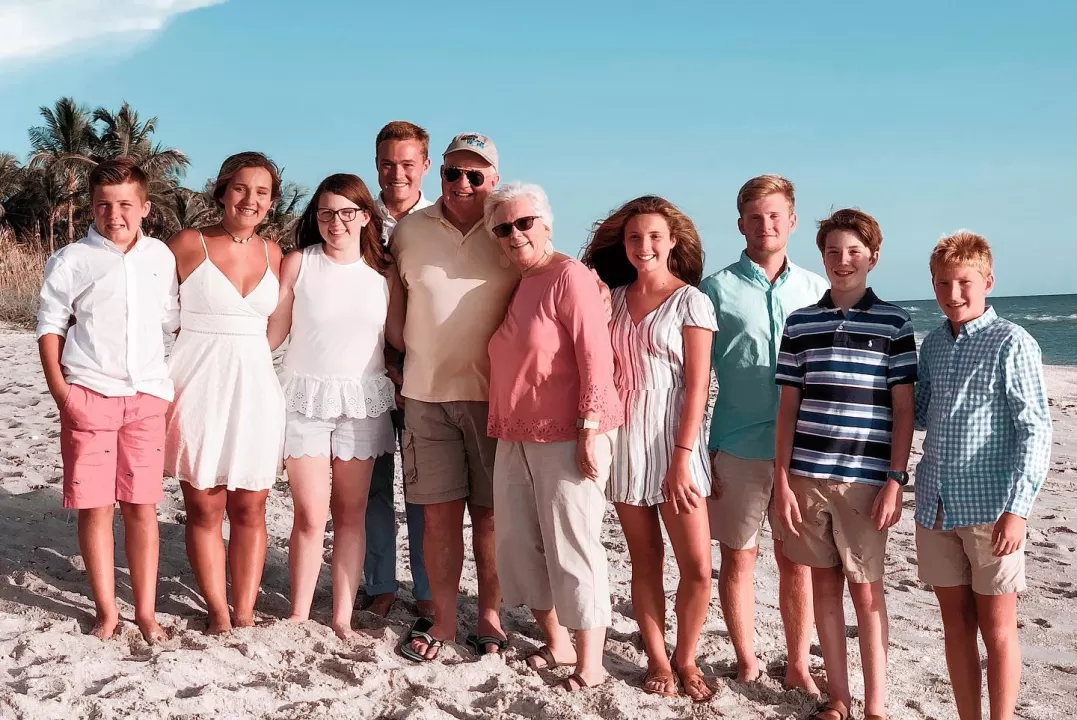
[{"x": 845, "y": 367}]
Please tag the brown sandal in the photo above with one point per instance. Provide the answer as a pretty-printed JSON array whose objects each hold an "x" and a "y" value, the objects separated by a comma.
[
  {"x": 833, "y": 710},
  {"x": 692, "y": 677},
  {"x": 578, "y": 679},
  {"x": 660, "y": 676},
  {"x": 544, "y": 654}
]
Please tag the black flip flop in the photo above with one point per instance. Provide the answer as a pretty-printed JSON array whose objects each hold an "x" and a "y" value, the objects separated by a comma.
[
  {"x": 420, "y": 630},
  {"x": 478, "y": 644}
]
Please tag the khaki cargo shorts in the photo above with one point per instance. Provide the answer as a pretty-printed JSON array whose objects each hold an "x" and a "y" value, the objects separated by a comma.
[
  {"x": 741, "y": 498},
  {"x": 447, "y": 454}
]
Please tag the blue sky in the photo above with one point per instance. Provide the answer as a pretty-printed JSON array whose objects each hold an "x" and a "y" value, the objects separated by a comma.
[{"x": 931, "y": 116}]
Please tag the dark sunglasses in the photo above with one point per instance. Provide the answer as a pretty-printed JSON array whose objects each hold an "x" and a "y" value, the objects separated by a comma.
[
  {"x": 452, "y": 174},
  {"x": 522, "y": 224}
]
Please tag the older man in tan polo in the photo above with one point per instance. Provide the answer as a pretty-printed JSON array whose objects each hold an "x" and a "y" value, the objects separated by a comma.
[{"x": 458, "y": 285}]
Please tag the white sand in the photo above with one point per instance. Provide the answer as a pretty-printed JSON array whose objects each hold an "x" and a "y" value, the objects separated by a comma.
[{"x": 51, "y": 669}]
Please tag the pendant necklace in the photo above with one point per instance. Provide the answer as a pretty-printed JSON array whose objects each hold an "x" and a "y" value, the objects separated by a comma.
[{"x": 236, "y": 238}]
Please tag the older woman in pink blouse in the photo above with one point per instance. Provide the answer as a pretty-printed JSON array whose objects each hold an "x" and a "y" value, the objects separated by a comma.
[{"x": 554, "y": 409}]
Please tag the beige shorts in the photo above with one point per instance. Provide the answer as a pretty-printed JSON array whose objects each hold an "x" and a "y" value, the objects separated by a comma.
[
  {"x": 965, "y": 556},
  {"x": 446, "y": 453},
  {"x": 741, "y": 498},
  {"x": 548, "y": 527},
  {"x": 837, "y": 529}
]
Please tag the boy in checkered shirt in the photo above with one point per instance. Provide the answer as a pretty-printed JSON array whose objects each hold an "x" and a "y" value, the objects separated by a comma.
[{"x": 982, "y": 400}]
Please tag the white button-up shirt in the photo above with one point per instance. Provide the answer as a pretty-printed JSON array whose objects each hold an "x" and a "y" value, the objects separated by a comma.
[
  {"x": 388, "y": 221},
  {"x": 113, "y": 308}
]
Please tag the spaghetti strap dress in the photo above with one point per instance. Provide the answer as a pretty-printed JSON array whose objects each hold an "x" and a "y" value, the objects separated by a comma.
[{"x": 226, "y": 425}]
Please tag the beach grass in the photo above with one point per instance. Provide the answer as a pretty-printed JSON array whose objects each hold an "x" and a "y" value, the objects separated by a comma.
[{"x": 21, "y": 270}]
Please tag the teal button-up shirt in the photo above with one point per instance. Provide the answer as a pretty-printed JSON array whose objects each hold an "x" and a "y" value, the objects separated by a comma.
[{"x": 751, "y": 316}]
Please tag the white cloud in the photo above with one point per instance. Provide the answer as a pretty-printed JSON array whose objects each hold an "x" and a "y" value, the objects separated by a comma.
[{"x": 37, "y": 29}]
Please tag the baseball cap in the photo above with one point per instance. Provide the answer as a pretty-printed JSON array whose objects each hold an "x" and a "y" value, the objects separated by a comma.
[{"x": 474, "y": 143}]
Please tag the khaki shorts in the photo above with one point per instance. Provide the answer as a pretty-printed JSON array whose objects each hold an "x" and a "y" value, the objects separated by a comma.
[
  {"x": 837, "y": 529},
  {"x": 965, "y": 556},
  {"x": 548, "y": 528},
  {"x": 446, "y": 453},
  {"x": 741, "y": 497}
]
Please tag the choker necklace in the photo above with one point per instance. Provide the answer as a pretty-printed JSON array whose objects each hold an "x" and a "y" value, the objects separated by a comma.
[{"x": 236, "y": 238}]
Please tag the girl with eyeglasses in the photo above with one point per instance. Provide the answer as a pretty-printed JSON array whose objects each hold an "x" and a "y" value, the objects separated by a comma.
[{"x": 340, "y": 299}]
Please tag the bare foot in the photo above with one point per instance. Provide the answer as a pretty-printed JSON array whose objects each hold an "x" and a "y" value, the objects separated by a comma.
[
  {"x": 244, "y": 621},
  {"x": 105, "y": 626},
  {"x": 801, "y": 680},
  {"x": 382, "y": 604},
  {"x": 345, "y": 632},
  {"x": 219, "y": 625},
  {"x": 152, "y": 633},
  {"x": 425, "y": 608},
  {"x": 748, "y": 672},
  {"x": 296, "y": 618}
]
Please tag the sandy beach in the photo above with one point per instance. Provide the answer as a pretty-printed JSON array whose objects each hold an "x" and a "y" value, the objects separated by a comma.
[{"x": 51, "y": 669}]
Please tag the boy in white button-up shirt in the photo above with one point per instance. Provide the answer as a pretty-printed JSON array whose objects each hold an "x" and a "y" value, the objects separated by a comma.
[{"x": 106, "y": 302}]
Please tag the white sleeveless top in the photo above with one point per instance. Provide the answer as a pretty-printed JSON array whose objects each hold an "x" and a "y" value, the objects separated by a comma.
[{"x": 335, "y": 364}]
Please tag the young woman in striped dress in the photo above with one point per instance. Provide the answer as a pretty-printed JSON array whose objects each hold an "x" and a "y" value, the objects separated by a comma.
[{"x": 650, "y": 255}]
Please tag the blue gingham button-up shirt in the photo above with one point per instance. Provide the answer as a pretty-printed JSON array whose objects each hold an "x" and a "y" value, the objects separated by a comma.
[{"x": 981, "y": 397}]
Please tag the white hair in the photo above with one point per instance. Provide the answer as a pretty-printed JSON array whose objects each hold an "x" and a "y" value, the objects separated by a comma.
[{"x": 515, "y": 190}]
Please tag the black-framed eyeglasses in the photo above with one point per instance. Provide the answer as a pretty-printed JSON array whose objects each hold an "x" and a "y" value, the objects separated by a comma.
[
  {"x": 326, "y": 215},
  {"x": 452, "y": 174},
  {"x": 522, "y": 224}
]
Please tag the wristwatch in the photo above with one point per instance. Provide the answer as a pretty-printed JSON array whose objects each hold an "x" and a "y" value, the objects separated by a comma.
[
  {"x": 585, "y": 424},
  {"x": 899, "y": 476}
]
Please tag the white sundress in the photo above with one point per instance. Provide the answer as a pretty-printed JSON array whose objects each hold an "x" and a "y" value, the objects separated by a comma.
[
  {"x": 649, "y": 373},
  {"x": 226, "y": 425}
]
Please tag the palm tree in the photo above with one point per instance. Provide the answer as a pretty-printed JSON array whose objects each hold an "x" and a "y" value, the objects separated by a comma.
[
  {"x": 284, "y": 214},
  {"x": 11, "y": 176},
  {"x": 125, "y": 135},
  {"x": 38, "y": 204},
  {"x": 63, "y": 147}
]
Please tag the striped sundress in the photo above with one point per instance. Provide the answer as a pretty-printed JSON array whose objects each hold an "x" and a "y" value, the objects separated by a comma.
[{"x": 649, "y": 373}]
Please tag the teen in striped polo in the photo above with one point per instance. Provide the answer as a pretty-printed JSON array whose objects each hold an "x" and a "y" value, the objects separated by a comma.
[{"x": 847, "y": 366}]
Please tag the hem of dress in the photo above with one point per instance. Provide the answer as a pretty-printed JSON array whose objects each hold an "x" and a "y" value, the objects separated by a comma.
[{"x": 223, "y": 482}]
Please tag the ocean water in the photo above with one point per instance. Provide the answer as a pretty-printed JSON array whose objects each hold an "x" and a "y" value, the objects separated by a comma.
[{"x": 1051, "y": 319}]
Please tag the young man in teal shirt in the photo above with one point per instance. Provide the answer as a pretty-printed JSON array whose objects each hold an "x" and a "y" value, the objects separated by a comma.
[{"x": 752, "y": 298}]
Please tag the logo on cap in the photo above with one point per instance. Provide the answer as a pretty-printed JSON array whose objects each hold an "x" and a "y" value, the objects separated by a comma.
[{"x": 476, "y": 140}]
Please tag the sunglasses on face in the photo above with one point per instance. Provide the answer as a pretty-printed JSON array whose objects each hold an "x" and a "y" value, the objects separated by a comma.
[
  {"x": 452, "y": 174},
  {"x": 522, "y": 224},
  {"x": 326, "y": 215}
]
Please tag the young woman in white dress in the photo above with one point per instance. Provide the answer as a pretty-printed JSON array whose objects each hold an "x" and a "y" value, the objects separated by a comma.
[
  {"x": 225, "y": 429},
  {"x": 340, "y": 299},
  {"x": 649, "y": 253}
]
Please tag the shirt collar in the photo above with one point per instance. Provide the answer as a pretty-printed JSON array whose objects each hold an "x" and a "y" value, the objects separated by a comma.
[
  {"x": 864, "y": 303},
  {"x": 98, "y": 239},
  {"x": 379, "y": 205},
  {"x": 753, "y": 271},
  {"x": 974, "y": 326},
  {"x": 438, "y": 210}
]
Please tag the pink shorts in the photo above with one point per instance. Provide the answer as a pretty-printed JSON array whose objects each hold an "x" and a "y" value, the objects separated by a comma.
[{"x": 112, "y": 448}]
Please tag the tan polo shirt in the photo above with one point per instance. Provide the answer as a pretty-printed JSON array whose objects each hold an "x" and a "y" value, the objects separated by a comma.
[{"x": 459, "y": 288}]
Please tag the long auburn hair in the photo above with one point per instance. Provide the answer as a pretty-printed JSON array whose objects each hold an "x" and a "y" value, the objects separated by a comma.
[
  {"x": 605, "y": 252},
  {"x": 353, "y": 188}
]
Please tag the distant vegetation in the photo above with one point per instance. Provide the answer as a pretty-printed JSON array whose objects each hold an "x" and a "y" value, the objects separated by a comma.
[{"x": 44, "y": 204}]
